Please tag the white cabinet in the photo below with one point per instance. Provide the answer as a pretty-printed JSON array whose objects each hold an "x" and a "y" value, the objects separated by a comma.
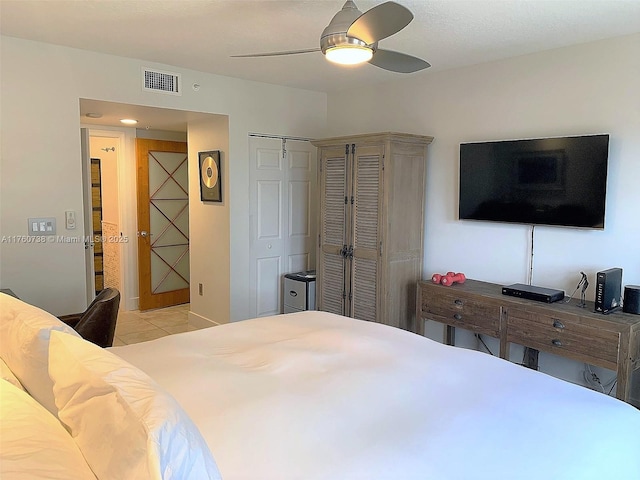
[{"x": 372, "y": 193}]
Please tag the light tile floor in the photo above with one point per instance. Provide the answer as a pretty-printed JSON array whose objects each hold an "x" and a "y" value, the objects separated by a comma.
[{"x": 135, "y": 326}]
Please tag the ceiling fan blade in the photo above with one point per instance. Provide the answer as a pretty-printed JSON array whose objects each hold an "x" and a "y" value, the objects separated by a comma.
[
  {"x": 275, "y": 54},
  {"x": 380, "y": 22},
  {"x": 397, "y": 62}
]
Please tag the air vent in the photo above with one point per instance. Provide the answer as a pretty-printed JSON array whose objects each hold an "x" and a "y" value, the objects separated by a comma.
[{"x": 161, "y": 82}]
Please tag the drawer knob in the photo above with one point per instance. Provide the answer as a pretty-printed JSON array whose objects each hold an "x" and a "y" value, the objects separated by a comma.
[
  {"x": 556, "y": 342},
  {"x": 293, "y": 293},
  {"x": 457, "y": 301},
  {"x": 558, "y": 324},
  {"x": 457, "y": 316}
]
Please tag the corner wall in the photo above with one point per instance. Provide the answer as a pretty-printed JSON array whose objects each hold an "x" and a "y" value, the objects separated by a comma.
[
  {"x": 584, "y": 89},
  {"x": 209, "y": 224},
  {"x": 577, "y": 90},
  {"x": 41, "y": 166}
]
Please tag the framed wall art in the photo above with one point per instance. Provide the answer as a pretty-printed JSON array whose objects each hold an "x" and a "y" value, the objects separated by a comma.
[{"x": 210, "y": 176}]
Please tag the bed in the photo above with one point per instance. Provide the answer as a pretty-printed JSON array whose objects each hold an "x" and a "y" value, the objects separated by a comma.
[{"x": 314, "y": 395}]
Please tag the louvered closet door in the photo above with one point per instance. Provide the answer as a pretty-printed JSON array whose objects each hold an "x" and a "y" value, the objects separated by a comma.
[
  {"x": 333, "y": 225},
  {"x": 367, "y": 204}
]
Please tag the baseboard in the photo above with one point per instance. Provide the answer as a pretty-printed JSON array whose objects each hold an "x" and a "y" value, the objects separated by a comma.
[
  {"x": 134, "y": 303},
  {"x": 199, "y": 321}
]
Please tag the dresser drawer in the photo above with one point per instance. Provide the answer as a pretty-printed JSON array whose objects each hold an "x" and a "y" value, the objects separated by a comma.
[
  {"x": 562, "y": 336},
  {"x": 460, "y": 310}
]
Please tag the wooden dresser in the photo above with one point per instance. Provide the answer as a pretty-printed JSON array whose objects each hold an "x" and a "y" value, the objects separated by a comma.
[{"x": 611, "y": 341}]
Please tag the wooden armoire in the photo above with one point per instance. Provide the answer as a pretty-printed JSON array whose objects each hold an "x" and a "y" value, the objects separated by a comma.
[{"x": 371, "y": 223}]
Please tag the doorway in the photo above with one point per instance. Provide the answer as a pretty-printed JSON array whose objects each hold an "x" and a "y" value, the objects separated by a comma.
[
  {"x": 111, "y": 220},
  {"x": 282, "y": 199},
  {"x": 104, "y": 149},
  {"x": 203, "y": 131},
  {"x": 102, "y": 236}
]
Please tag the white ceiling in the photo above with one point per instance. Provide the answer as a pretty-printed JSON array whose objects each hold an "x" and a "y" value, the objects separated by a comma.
[
  {"x": 149, "y": 118},
  {"x": 201, "y": 35}
]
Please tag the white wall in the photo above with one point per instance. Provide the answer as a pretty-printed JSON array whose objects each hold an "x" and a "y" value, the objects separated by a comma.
[
  {"x": 579, "y": 90},
  {"x": 591, "y": 88},
  {"x": 209, "y": 225},
  {"x": 41, "y": 85}
]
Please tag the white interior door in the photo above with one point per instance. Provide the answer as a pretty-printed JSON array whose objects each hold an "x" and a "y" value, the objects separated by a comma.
[
  {"x": 282, "y": 216},
  {"x": 300, "y": 250}
]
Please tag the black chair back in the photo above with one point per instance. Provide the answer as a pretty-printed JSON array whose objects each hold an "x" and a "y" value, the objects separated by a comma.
[{"x": 98, "y": 323}]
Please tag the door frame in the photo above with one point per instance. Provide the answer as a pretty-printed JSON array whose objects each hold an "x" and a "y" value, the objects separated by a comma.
[
  {"x": 87, "y": 215},
  {"x": 119, "y": 137}
]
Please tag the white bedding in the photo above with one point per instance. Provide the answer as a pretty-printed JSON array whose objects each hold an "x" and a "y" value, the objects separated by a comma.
[
  {"x": 33, "y": 443},
  {"x": 314, "y": 395}
]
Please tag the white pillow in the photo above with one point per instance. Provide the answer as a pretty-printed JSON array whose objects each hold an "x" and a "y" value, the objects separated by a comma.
[
  {"x": 125, "y": 424},
  {"x": 7, "y": 374},
  {"x": 33, "y": 443},
  {"x": 24, "y": 346}
]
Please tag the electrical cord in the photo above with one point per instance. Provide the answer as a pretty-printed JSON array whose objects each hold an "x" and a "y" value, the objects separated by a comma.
[
  {"x": 485, "y": 345},
  {"x": 530, "y": 270},
  {"x": 593, "y": 380}
]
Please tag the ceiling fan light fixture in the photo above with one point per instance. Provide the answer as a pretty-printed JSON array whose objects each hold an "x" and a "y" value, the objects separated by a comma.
[
  {"x": 349, "y": 54},
  {"x": 351, "y": 38}
]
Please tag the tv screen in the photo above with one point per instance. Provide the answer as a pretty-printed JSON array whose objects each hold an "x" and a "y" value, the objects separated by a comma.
[{"x": 545, "y": 181}]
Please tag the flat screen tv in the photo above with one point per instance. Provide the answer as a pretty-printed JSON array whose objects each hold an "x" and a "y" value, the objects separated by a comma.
[{"x": 546, "y": 181}]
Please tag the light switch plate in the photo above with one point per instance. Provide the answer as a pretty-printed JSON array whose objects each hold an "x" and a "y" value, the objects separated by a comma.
[{"x": 41, "y": 226}]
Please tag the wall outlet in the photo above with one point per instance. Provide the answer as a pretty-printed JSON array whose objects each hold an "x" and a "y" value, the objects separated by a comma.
[{"x": 200, "y": 289}]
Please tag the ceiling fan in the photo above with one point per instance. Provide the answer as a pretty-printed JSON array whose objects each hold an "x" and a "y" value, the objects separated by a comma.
[{"x": 352, "y": 38}]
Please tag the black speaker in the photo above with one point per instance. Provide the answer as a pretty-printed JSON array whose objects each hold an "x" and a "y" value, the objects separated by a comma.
[{"x": 631, "y": 299}]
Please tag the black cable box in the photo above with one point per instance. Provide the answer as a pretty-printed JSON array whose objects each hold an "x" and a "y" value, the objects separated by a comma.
[{"x": 531, "y": 292}]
